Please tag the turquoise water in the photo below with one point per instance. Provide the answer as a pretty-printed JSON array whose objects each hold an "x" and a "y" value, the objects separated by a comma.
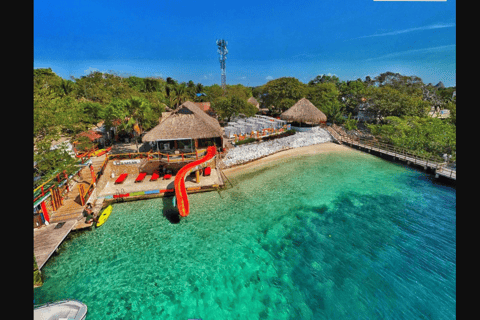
[{"x": 328, "y": 236}]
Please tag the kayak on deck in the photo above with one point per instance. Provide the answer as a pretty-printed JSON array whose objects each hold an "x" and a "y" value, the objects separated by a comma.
[{"x": 104, "y": 216}]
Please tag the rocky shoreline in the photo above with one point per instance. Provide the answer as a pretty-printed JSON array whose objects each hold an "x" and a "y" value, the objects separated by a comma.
[{"x": 249, "y": 152}]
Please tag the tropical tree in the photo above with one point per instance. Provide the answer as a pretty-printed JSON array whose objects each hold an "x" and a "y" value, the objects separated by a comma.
[
  {"x": 228, "y": 107},
  {"x": 324, "y": 79},
  {"x": 387, "y": 101},
  {"x": 274, "y": 91}
]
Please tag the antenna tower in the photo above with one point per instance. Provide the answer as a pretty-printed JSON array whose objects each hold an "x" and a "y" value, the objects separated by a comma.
[{"x": 222, "y": 50}]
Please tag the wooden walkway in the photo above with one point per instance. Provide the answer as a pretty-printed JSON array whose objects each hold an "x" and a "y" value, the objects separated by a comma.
[
  {"x": 440, "y": 168},
  {"x": 68, "y": 217},
  {"x": 47, "y": 239}
]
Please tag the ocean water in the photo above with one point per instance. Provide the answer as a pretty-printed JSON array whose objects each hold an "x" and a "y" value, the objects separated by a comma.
[{"x": 327, "y": 236}]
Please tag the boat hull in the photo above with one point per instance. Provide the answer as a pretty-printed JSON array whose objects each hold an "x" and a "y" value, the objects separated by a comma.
[{"x": 68, "y": 309}]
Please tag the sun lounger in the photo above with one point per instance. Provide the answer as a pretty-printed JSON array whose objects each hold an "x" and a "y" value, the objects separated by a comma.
[
  {"x": 207, "y": 171},
  {"x": 167, "y": 177},
  {"x": 121, "y": 178},
  {"x": 155, "y": 176},
  {"x": 140, "y": 177}
]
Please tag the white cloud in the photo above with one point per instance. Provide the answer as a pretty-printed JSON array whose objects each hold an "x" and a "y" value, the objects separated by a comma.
[
  {"x": 269, "y": 78},
  {"x": 392, "y": 33},
  {"x": 424, "y": 50}
]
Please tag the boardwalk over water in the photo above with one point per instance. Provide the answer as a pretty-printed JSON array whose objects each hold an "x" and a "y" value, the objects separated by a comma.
[
  {"x": 440, "y": 168},
  {"x": 66, "y": 218},
  {"x": 47, "y": 239}
]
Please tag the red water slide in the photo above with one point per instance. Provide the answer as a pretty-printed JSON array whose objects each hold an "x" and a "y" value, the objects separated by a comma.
[{"x": 180, "y": 191}]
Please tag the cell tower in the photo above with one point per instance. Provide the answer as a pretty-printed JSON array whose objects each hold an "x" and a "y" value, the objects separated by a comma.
[{"x": 222, "y": 50}]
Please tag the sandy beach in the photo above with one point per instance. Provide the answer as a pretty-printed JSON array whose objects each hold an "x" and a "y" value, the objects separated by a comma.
[{"x": 286, "y": 154}]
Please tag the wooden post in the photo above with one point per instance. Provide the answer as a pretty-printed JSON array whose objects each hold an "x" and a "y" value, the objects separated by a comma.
[
  {"x": 92, "y": 173},
  {"x": 53, "y": 201},
  {"x": 81, "y": 191},
  {"x": 66, "y": 178},
  {"x": 55, "y": 198},
  {"x": 197, "y": 176}
]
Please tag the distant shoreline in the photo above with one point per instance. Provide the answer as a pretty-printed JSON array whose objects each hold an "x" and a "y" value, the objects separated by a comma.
[{"x": 287, "y": 154}]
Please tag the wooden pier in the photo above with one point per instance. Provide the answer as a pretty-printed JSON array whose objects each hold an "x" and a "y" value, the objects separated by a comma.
[
  {"x": 440, "y": 168},
  {"x": 47, "y": 239},
  {"x": 66, "y": 218}
]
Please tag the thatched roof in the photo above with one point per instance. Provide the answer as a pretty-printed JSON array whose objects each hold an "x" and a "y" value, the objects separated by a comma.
[
  {"x": 186, "y": 122},
  {"x": 304, "y": 111},
  {"x": 254, "y": 101}
]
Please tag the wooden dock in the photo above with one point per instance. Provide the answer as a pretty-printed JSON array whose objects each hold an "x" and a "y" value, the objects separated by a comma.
[
  {"x": 66, "y": 218},
  {"x": 48, "y": 238},
  {"x": 440, "y": 168}
]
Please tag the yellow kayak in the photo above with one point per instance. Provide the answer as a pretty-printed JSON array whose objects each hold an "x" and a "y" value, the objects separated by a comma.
[{"x": 104, "y": 215}]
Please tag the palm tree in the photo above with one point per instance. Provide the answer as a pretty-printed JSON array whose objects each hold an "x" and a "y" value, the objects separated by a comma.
[{"x": 181, "y": 94}]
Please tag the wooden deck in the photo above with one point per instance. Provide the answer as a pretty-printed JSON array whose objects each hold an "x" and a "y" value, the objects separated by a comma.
[
  {"x": 48, "y": 238},
  {"x": 72, "y": 207},
  {"x": 439, "y": 168}
]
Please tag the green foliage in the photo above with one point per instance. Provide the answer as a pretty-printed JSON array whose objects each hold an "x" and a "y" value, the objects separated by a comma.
[
  {"x": 324, "y": 79},
  {"x": 325, "y": 96},
  {"x": 275, "y": 92},
  {"x": 387, "y": 101},
  {"x": 425, "y": 136},
  {"x": 352, "y": 93},
  {"x": 248, "y": 140},
  {"x": 37, "y": 277},
  {"x": 227, "y": 107},
  {"x": 452, "y": 106},
  {"x": 350, "y": 124}
]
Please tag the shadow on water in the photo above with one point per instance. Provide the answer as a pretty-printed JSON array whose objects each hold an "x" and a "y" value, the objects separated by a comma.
[{"x": 169, "y": 210}]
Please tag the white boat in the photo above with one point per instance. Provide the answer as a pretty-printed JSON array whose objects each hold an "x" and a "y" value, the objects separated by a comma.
[{"x": 61, "y": 310}]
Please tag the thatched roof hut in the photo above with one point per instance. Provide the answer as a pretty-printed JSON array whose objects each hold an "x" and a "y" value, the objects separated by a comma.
[
  {"x": 186, "y": 122},
  {"x": 254, "y": 101},
  {"x": 304, "y": 112}
]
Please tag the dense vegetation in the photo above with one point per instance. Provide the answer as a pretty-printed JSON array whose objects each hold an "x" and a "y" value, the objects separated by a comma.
[{"x": 398, "y": 104}]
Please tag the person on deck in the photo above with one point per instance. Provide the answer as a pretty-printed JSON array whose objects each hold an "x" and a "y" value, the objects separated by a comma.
[{"x": 88, "y": 213}]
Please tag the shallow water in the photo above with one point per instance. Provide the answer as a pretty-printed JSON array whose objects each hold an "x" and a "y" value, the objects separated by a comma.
[{"x": 328, "y": 236}]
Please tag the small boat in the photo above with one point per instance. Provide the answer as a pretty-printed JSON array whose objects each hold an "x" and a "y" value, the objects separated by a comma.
[
  {"x": 104, "y": 216},
  {"x": 64, "y": 309}
]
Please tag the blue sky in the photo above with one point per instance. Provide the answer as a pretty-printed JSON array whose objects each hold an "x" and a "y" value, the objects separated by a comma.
[{"x": 266, "y": 39}]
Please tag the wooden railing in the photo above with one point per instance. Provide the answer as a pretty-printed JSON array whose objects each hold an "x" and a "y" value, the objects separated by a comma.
[
  {"x": 47, "y": 186},
  {"x": 259, "y": 134},
  {"x": 440, "y": 167},
  {"x": 169, "y": 157}
]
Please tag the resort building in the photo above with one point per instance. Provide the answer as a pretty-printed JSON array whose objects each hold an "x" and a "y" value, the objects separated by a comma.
[
  {"x": 185, "y": 129},
  {"x": 303, "y": 115}
]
